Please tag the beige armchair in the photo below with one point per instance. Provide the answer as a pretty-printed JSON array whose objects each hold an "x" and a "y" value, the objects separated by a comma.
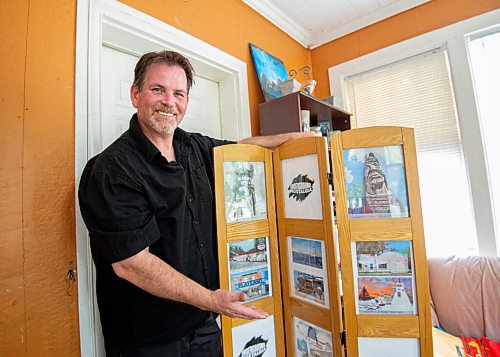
[{"x": 465, "y": 295}]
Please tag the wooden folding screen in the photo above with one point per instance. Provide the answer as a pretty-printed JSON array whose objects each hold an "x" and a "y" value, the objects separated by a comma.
[
  {"x": 384, "y": 267},
  {"x": 385, "y": 288}
]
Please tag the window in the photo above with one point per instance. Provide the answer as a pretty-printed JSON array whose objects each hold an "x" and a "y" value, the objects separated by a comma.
[
  {"x": 417, "y": 93},
  {"x": 484, "y": 53},
  {"x": 464, "y": 146}
]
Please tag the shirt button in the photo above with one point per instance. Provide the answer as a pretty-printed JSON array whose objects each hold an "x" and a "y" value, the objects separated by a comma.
[
  {"x": 196, "y": 221},
  {"x": 201, "y": 245},
  {"x": 190, "y": 199}
]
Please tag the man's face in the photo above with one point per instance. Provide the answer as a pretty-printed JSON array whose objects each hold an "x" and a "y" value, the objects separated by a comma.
[{"x": 162, "y": 101}]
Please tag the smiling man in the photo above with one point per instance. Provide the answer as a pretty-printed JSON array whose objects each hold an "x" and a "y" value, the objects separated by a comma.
[{"x": 147, "y": 201}]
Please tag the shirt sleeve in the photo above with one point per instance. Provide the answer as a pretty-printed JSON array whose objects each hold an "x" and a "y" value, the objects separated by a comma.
[{"x": 116, "y": 213}]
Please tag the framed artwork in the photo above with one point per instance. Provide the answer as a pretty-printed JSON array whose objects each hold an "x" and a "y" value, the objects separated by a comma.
[
  {"x": 301, "y": 190},
  {"x": 383, "y": 258},
  {"x": 255, "y": 338},
  {"x": 270, "y": 70},
  {"x": 375, "y": 182},
  {"x": 388, "y": 347},
  {"x": 244, "y": 191},
  {"x": 311, "y": 340},
  {"x": 249, "y": 269}
]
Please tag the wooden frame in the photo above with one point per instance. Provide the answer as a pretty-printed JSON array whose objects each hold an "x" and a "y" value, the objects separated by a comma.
[
  {"x": 248, "y": 229},
  {"x": 328, "y": 317},
  {"x": 417, "y": 326}
]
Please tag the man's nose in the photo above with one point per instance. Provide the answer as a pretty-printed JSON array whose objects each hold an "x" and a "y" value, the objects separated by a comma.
[{"x": 168, "y": 98}]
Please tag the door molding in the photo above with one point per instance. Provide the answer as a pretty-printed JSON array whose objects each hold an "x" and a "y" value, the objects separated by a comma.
[{"x": 110, "y": 23}]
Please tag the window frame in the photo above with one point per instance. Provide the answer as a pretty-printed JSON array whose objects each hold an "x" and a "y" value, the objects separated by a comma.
[{"x": 454, "y": 39}]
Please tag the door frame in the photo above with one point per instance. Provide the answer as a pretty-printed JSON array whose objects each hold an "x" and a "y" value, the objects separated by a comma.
[{"x": 111, "y": 23}]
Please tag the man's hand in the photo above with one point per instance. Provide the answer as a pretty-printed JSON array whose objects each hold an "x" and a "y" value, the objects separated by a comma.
[
  {"x": 230, "y": 304},
  {"x": 153, "y": 275}
]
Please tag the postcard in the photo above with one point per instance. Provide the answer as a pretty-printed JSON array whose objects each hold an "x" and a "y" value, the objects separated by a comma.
[
  {"x": 311, "y": 340},
  {"x": 383, "y": 258},
  {"x": 249, "y": 268},
  {"x": 376, "y": 182},
  {"x": 310, "y": 287},
  {"x": 386, "y": 295},
  {"x": 255, "y": 338},
  {"x": 309, "y": 252},
  {"x": 245, "y": 191}
]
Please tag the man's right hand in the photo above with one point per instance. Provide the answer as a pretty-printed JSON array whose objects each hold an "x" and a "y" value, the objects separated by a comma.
[{"x": 230, "y": 304}]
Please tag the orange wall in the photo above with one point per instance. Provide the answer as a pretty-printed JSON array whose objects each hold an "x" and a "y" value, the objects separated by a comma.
[
  {"x": 38, "y": 306},
  {"x": 38, "y": 309},
  {"x": 425, "y": 18}
]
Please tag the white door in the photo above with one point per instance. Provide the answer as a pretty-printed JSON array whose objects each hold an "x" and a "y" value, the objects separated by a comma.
[
  {"x": 117, "y": 74},
  {"x": 111, "y": 36}
]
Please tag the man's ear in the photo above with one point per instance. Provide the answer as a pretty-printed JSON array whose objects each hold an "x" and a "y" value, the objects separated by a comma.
[{"x": 134, "y": 91}]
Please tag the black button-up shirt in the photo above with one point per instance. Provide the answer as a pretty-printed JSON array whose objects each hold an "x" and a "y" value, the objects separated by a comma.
[{"x": 131, "y": 198}]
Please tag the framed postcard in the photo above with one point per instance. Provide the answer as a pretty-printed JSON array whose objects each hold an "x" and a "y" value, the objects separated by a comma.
[
  {"x": 308, "y": 274},
  {"x": 309, "y": 287},
  {"x": 311, "y": 340},
  {"x": 270, "y": 70},
  {"x": 386, "y": 295},
  {"x": 249, "y": 269},
  {"x": 301, "y": 189},
  {"x": 388, "y": 347},
  {"x": 307, "y": 252},
  {"x": 244, "y": 191},
  {"x": 375, "y": 181},
  {"x": 256, "y": 338},
  {"x": 383, "y": 258}
]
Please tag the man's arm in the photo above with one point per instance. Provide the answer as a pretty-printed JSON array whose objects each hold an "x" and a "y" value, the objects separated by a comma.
[
  {"x": 272, "y": 141},
  {"x": 153, "y": 275}
]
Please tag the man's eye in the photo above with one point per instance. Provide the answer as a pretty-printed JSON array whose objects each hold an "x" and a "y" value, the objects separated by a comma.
[
  {"x": 180, "y": 94},
  {"x": 156, "y": 90}
]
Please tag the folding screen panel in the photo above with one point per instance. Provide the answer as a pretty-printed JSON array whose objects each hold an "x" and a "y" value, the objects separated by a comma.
[
  {"x": 248, "y": 247},
  {"x": 309, "y": 267},
  {"x": 384, "y": 266}
]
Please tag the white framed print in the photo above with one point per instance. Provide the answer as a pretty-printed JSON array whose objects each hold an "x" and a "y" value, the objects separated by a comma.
[
  {"x": 301, "y": 187},
  {"x": 255, "y": 338}
]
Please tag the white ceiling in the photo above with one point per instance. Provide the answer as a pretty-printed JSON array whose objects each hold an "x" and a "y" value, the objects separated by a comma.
[{"x": 316, "y": 22}]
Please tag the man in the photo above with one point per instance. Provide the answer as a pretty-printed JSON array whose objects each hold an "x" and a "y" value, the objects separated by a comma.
[{"x": 147, "y": 201}]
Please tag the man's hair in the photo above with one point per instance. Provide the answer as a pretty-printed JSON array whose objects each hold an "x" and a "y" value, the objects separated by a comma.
[{"x": 168, "y": 57}]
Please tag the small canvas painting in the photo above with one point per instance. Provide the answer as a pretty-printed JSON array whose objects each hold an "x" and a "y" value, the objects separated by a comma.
[
  {"x": 270, "y": 70},
  {"x": 245, "y": 191},
  {"x": 255, "y": 339},
  {"x": 311, "y": 340},
  {"x": 376, "y": 182},
  {"x": 249, "y": 269}
]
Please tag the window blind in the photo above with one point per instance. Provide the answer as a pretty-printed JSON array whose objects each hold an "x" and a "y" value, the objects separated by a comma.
[{"x": 417, "y": 93}]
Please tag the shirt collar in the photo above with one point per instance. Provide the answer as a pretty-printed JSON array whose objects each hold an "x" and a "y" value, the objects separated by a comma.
[{"x": 146, "y": 146}]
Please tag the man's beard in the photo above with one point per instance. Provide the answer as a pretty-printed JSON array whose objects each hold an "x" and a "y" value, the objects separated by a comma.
[{"x": 163, "y": 126}]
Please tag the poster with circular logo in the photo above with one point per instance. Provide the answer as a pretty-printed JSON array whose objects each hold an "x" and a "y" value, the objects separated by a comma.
[{"x": 301, "y": 187}]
